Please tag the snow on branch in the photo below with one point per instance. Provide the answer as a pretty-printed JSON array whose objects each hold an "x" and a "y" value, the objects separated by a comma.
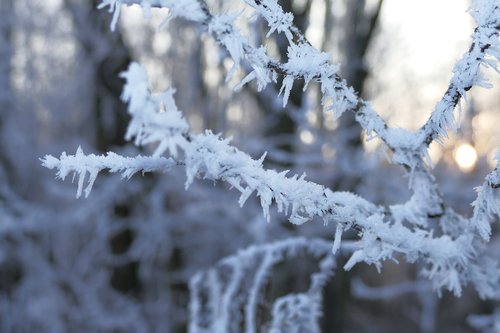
[
  {"x": 337, "y": 96},
  {"x": 484, "y": 50},
  {"x": 214, "y": 306},
  {"x": 410, "y": 149},
  {"x": 485, "y": 323},
  {"x": 188, "y": 9},
  {"x": 147, "y": 124},
  {"x": 80, "y": 165},
  {"x": 304, "y": 61},
  {"x": 487, "y": 204},
  {"x": 451, "y": 260}
]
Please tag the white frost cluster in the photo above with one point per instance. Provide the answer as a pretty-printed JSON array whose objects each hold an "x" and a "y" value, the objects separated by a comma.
[
  {"x": 222, "y": 26},
  {"x": 187, "y": 9},
  {"x": 82, "y": 165},
  {"x": 303, "y": 61},
  {"x": 295, "y": 313},
  {"x": 487, "y": 205},
  {"x": 273, "y": 13},
  {"x": 148, "y": 125}
]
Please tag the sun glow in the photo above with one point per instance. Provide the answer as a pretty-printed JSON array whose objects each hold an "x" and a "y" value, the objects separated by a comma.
[{"x": 466, "y": 157}]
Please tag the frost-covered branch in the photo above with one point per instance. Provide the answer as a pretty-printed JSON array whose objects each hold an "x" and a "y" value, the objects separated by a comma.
[
  {"x": 214, "y": 306},
  {"x": 307, "y": 63},
  {"x": 487, "y": 203},
  {"x": 485, "y": 323},
  {"x": 80, "y": 165},
  {"x": 451, "y": 260},
  {"x": 337, "y": 95},
  {"x": 484, "y": 50}
]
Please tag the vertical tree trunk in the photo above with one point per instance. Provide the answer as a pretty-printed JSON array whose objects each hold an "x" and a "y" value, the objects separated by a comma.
[
  {"x": 6, "y": 21},
  {"x": 282, "y": 123},
  {"x": 6, "y": 91},
  {"x": 359, "y": 30},
  {"x": 359, "y": 27},
  {"x": 105, "y": 55}
]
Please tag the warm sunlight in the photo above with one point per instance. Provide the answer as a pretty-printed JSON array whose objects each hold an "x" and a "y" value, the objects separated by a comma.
[{"x": 466, "y": 157}]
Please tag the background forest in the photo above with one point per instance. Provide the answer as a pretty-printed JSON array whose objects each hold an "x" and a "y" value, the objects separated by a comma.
[{"x": 121, "y": 259}]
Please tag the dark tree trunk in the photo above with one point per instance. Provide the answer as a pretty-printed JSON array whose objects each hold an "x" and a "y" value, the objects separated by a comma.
[
  {"x": 6, "y": 92},
  {"x": 359, "y": 30},
  {"x": 108, "y": 56},
  {"x": 282, "y": 123}
]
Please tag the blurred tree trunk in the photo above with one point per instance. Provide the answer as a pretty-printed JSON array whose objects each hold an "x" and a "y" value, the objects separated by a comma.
[
  {"x": 360, "y": 25},
  {"x": 6, "y": 91},
  {"x": 103, "y": 56},
  {"x": 280, "y": 122},
  {"x": 357, "y": 39},
  {"x": 106, "y": 55},
  {"x": 6, "y": 51}
]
